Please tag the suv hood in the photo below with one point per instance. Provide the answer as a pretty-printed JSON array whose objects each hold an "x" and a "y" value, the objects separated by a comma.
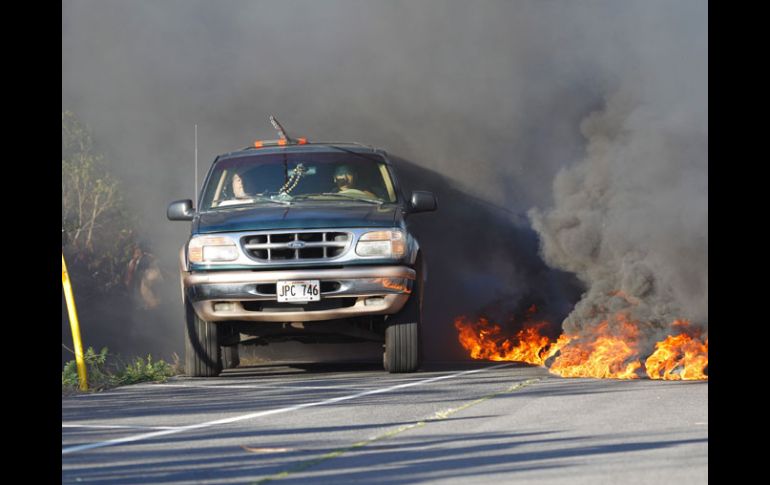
[{"x": 295, "y": 217}]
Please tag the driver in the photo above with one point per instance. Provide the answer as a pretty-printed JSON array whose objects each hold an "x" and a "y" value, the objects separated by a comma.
[
  {"x": 345, "y": 180},
  {"x": 239, "y": 192}
]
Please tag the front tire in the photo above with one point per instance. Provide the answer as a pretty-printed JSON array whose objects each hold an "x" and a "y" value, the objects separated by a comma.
[
  {"x": 402, "y": 348},
  {"x": 402, "y": 335},
  {"x": 202, "y": 352}
]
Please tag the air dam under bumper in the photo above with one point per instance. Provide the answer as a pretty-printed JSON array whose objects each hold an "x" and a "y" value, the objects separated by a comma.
[{"x": 250, "y": 295}]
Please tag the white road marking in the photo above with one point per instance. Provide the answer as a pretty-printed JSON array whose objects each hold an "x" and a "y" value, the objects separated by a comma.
[
  {"x": 113, "y": 426},
  {"x": 253, "y": 386},
  {"x": 270, "y": 412}
]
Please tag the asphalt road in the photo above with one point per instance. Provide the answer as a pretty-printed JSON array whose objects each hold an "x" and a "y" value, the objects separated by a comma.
[{"x": 450, "y": 423}]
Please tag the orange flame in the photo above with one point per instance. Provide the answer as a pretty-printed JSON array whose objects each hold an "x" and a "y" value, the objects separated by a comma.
[
  {"x": 606, "y": 354},
  {"x": 678, "y": 358},
  {"x": 484, "y": 340},
  {"x": 611, "y": 350}
]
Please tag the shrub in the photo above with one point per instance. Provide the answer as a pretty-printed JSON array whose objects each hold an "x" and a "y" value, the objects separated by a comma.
[{"x": 102, "y": 375}]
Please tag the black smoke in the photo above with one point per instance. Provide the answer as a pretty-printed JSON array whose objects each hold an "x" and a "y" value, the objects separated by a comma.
[{"x": 631, "y": 219}]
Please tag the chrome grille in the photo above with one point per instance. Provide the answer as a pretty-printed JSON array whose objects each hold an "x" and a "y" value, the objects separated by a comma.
[{"x": 304, "y": 245}]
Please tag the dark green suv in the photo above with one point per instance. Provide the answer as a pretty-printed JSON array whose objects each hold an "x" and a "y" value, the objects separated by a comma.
[{"x": 301, "y": 241}]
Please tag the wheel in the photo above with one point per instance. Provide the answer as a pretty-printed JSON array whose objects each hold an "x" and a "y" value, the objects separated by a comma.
[
  {"x": 402, "y": 335},
  {"x": 230, "y": 357},
  {"x": 402, "y": 348},
  {"x": 202, "y": 353}
]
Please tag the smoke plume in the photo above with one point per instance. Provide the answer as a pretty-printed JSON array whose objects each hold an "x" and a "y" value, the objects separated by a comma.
[{"x": 631, "y": 219}]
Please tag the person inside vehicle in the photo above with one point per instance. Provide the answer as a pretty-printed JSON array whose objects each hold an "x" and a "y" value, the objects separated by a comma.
[
  {"x": 238, "y": 192},
  {"x": 345, "y": 179}
]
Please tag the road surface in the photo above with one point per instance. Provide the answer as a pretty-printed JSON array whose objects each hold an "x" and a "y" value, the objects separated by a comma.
[{"x": 353, "y": 423}]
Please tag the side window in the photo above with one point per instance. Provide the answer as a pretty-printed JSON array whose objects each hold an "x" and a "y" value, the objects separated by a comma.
[
  {"x": 388, "y": 182},
  {"x": 215, "y": 190}
]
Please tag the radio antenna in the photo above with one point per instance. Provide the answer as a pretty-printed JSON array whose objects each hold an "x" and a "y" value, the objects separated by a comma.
[
  {"x": 281, "y": 131},
  {"x": 195, "y": 192}
]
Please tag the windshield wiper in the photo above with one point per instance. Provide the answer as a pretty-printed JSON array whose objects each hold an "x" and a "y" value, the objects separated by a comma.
[{"x": 343, "y": 196}]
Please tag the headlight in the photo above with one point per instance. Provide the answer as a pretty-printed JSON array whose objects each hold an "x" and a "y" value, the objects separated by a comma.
[
  {"x": 211, "y": 248},
  {"x": 383, "y": 244}
]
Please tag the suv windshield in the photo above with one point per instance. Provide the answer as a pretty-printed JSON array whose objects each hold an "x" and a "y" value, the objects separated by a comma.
[{"x": 287, "y": 177}]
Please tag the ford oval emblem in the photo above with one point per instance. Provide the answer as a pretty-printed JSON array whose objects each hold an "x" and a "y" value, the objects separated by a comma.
[{"x": 296, "y": 244}]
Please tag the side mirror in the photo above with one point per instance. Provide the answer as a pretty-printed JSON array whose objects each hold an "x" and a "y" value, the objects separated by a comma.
[
  {"x": 180, "y": 210},
  {"x": 423, "y": 201}
]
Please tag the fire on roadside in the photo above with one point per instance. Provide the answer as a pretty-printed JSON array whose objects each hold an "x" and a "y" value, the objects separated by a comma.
[
  {"x": 679, "y": 357},
  {"x": 611, "y": 350}
]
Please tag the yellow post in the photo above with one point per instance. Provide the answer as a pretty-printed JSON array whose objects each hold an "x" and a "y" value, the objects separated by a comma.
[{"x": 73, "y": 314}]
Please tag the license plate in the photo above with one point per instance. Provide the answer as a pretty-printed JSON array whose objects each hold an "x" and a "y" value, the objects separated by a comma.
[{"x": 307, "y": 290}]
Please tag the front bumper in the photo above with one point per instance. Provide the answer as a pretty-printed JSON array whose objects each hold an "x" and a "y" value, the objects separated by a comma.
[{"x": 250, "y": 295}]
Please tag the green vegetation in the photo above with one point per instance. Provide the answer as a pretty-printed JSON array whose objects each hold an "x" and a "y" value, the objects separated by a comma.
[
  {"x": 97, "y": 230},
  {"x": 103, "y": 375},
  {"x": 145, "y": 370}
]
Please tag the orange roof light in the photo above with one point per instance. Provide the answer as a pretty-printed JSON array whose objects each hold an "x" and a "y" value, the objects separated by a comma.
[{"x": 281, "y": 142}]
